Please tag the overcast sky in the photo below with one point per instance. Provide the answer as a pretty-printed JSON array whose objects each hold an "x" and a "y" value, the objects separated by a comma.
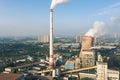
[{"x": 31, "y": 17}]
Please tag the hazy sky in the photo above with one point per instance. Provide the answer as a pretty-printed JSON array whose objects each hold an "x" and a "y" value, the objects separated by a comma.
[{"x": 31, "y": 17}]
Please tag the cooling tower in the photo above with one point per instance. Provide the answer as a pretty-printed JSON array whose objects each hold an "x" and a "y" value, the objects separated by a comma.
[{"x": 87, "y": 43}]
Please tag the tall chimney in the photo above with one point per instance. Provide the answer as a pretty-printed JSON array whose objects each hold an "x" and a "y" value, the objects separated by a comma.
[
  {"x": 87, "y": 43},
  {"x": 51, "y": 40}
]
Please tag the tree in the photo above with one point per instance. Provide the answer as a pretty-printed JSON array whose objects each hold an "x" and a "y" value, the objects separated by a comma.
[
  {"x": 114, "y": 62},
  {"x": 1, "y": 69}
]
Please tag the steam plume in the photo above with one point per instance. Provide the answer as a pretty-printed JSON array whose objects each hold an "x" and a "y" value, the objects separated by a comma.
[
  {"x": 55, "y": 2},
  {"x": 97, "y": 30}
]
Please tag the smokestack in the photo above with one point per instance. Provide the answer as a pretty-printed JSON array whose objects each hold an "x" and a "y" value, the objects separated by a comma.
[
  {"x": 87, "y": 43},
  {"x": 53, "y": 4},
  {"x": 51, "y": 40}
]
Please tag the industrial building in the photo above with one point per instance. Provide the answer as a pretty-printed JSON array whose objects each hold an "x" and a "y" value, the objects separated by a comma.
[
  {"x": 8, "y": 70},
  {"x": 117, "y": 35},
  {"x": 11, "y": 76},
  {"x": 43, "y": 39},
  {"x": 113, "y": 74},
  {"x": 102, "y": 71},
  {"x": 78, "y": 39},
  {"x": 77, "y": 63},
  {"x": 88, "y": 58}
]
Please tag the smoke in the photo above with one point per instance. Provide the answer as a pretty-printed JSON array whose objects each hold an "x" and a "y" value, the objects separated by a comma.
[
  {"x": 98, "y": 29},
  {"x": 56, "y": 2},
  {"x": 101, "y": 28}
]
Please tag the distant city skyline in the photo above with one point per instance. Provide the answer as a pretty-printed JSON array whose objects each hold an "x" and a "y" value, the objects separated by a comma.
[{"x": 31, "y": 17}]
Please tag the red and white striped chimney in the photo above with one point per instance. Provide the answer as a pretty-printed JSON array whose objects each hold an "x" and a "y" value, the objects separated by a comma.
[{"x": 51, "y": 40}]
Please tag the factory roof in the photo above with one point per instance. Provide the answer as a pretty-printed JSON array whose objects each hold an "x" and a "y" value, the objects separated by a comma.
[
  {"x": 11, "y": 76},
  {"x": 70, "y": 62},
  {"x": 113, "y": 70}
]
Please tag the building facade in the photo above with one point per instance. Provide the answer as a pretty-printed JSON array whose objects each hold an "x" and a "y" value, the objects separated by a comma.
[
  {"x": 78, "y": 39},
  {"x": 102, "y": 69},
  {"x": 43, "y": 39},
  {"x": 113, "y": 74},
  {"x": 88, "y": 58}
]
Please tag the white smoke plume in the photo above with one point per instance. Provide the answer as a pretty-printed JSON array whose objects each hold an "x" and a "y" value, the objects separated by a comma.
[
  {"x": 97, "y": 30},
  {"x": 56, "y": 2}
]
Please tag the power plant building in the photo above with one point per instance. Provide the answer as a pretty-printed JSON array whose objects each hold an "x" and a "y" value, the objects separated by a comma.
[
  {"x": 88, "y": 58},
  {"x": 77, "y": 63},
  {"x": 103, "y": 73},
  {"x": 113, "y": 74},
  {"x": 102, "y": 69}
]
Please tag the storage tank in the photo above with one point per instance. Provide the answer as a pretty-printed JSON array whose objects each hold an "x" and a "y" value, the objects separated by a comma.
[{"x": 70, "y": 65}]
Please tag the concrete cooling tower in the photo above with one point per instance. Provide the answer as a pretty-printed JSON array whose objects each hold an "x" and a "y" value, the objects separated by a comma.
[{"x": 87, "y": 43}]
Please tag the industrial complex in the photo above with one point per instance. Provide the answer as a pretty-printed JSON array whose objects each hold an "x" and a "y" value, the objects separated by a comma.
[
  {"x": 87, "y": 63},
  {"x": 62, "y": 60}
]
